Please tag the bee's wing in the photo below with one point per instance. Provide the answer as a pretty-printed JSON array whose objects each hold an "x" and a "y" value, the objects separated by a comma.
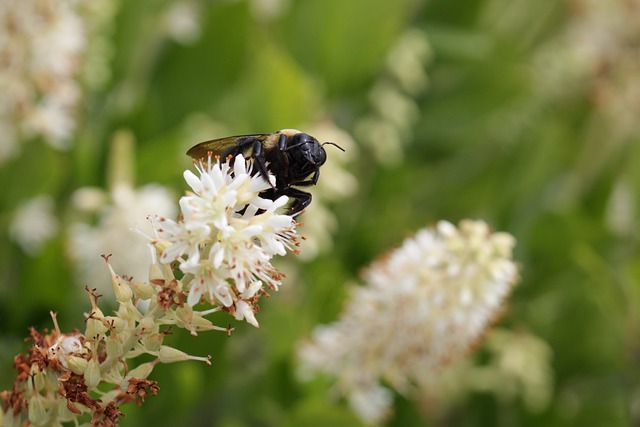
[{"x": 218, "y": 146}]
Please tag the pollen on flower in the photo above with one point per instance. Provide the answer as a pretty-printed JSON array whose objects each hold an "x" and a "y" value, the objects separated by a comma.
[{"x": 424, "y": 305}]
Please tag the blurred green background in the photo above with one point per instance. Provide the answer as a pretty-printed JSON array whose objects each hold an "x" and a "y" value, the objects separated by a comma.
[{"x": 519, "y": 113}]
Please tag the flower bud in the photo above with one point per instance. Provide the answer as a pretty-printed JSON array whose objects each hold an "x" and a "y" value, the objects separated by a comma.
[
  {"x": 92, "y": 374},
  {"x": 38, "y": 381},
  {"x": 153, "y": 341},
  {"x": 201, "y": 323},
  {"x": 168, "y": 272},
  {"x": 155, "y": 273},
  {"x": 77, "y": 364},
  {"x": 141, "y": 371},
  {"x": 129, "y": 312},
  {"x": 184, "y": 314},
  {"x": 95, "y": 324},
  {"x": 37, "y": 412},
  {"x": 116, "y": 323},
  {"x": 168, "y": 354},
  {"x": 122, "y": 290},
  {"x": 142, "y": 290},
  {"x": 113, "y": 347},
  {"x": 148, "y": 325}
]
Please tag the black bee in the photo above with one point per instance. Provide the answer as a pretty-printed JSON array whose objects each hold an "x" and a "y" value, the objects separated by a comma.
[{"x": 293, "y": 157}]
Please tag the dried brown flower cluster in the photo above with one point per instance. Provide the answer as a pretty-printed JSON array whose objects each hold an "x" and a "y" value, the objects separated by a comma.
[{"x": 57, "y": 379}]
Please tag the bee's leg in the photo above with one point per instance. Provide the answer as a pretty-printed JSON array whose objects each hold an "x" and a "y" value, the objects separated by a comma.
[
  {"x": 301, "y": 200},
  {"x": 257, "y": 154},
  {"x": 309, "y": 182}
]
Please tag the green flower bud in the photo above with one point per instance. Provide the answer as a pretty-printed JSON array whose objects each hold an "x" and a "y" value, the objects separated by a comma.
[
  {"x": 113, "y": 347},
  {"x": 148, "y": 325},
  {"x": 141, "y": 371},
  {"x": 95, "y": 324},
  {"x": 143, "y": 290},
  {"x": 168, "y": 354},
  {"x": 201, "y": 323},
  {"x": 92, "y": 374},
  {"x": 37, "y": 412},
  {"x": 77, "y": 364},
  {"x": 122, "y": 290},
  {"x": 38, "y": 380},
  {"x": 153, "y": 341}
]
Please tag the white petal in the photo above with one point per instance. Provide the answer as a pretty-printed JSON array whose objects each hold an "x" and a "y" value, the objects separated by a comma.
[
  {"x": 193, "y": 181},
  {"x": 195, "y": 293},
  {"x": 244, "y": 311}
]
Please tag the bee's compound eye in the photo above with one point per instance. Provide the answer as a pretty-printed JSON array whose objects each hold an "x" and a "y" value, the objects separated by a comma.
[{"x": 319, "y": 155}]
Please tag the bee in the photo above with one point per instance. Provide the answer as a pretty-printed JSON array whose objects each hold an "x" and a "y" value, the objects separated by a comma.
[{"x": 293, "y": 157}]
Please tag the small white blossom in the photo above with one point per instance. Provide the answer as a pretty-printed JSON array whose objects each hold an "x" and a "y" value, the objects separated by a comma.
[
  {"x": 371, "y": 403},
  {"x": 389, "y": 126},
  {"x": 34, "y": 223},
  {"x": 268, "y": 10},
  {"x": 227, "y": 237},
  {"x": 424, "y": 305},
  {"x": 182, "y": 21}
]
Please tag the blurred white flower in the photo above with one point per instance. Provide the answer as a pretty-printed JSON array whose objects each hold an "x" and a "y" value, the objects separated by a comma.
[
  {"x": 268, "y": 10},
  {"x": 424, "y": 305},
  {"x": 389, "y": 126},
  {"x": 597, "y": 52},
  {"x": 110, "y": 231},
  {"x": 100, "y": 20},
  {"x": 34, "y": 222},
  {"x": 621, "y": 213},
  {"x": 407, "y": 58},
  {"x": 226, "y": 237},
  {"x": 182, "y": 21},
  {"x": 41, "y": 42},
  {"x": 593, "y": 62}
]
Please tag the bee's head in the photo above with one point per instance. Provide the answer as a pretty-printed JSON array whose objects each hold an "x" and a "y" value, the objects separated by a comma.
[
  {"x": 305, "y": 149},
  {"x": 306, "y": 155}
]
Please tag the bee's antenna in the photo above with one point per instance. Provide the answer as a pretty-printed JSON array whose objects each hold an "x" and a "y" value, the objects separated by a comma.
[{"x": 333, "y": 143}]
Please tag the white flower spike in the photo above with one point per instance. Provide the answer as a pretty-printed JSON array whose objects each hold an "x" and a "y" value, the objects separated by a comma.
[{"x": 424, "y": 305}]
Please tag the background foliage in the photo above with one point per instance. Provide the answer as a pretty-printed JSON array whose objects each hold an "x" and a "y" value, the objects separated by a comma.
[{"x": 511, "y": 128}]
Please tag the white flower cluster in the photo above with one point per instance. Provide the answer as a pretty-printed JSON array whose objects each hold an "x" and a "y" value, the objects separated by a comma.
[
  {"x": 424, "y": 305},
  {"x": 40, "y": 45},
  {"x": 597, "y": 52},
  {"x": 226, "y": 237}
]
